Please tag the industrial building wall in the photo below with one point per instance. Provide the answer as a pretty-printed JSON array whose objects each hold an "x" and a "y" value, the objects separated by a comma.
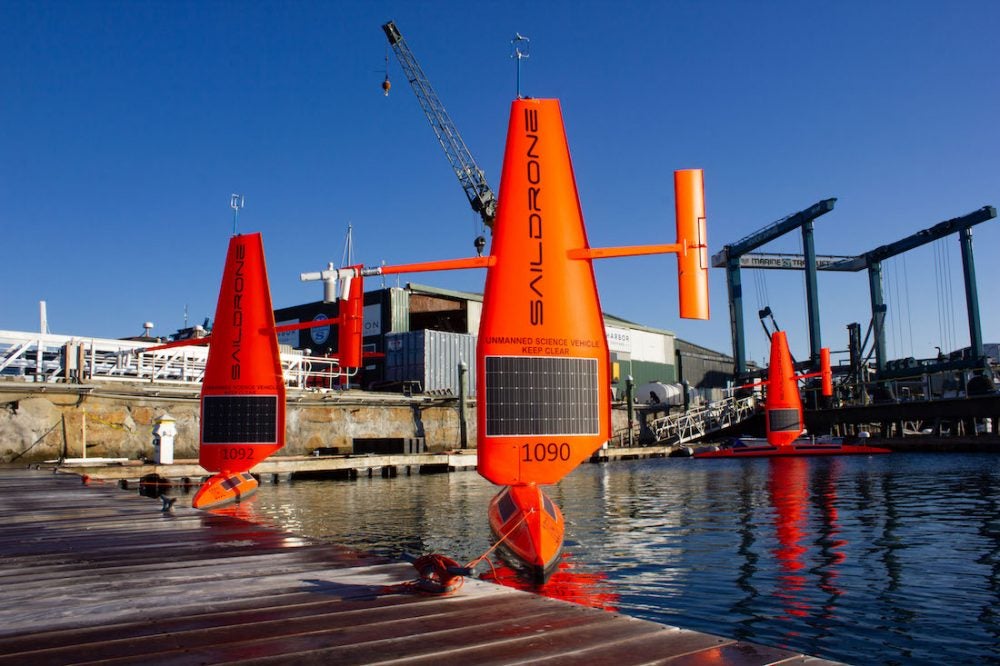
[
  {"x": 642, "y": 372},
  {"x": 641, "y": 344},
  {"x": 708, "y": 372},
  {"x": 645, "y": 355},
  {"x": 475, "y": 315},
  {"x": 431, "y": 356},
  {"x": 385, "y": 311}
]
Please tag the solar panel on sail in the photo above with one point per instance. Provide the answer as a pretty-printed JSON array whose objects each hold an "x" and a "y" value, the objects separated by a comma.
[
  {"x": 541, "y": 396},
  {"x": 244, "y": 419},
  {"x": 783, "y": 420}
]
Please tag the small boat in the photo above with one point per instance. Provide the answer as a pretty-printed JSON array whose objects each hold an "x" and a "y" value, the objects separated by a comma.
[
  {"x": 224, "y": 488},
  {"x": 529, "y": 528},
  {"x": 759, "y": 447}
]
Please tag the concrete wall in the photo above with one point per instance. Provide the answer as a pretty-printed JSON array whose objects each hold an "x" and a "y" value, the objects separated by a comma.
[{"x": 45, "y": 422}]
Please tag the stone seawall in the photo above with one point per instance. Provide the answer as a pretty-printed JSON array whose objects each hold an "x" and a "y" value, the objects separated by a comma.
[{"x": 115, "y": 420}]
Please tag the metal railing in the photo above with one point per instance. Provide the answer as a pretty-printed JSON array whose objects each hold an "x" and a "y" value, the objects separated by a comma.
[
  {"x": 48, "y": 358},
  {"x": 697, "y": 423}
]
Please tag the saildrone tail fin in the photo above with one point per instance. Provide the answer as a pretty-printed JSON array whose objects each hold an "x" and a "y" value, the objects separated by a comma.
[
  {"x": 692, "y": 259},
  {"x": 826, "y": 373},
  {"x": 351, "y": 324},
  {"x": 243, "y": 393}
]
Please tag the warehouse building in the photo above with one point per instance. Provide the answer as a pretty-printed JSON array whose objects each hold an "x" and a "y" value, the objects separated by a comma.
[{"x": 419, "y": 336}]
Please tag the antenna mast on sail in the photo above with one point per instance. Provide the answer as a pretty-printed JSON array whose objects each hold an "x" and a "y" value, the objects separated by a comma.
[
  {"x": 347, "y": 258},
  {"x": 522, "y": 46},
  {"x": 236, "y": 202}
]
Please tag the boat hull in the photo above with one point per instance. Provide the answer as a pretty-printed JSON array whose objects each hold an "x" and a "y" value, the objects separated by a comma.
[
  {"x": 224, "y": 488},
  {"x": 529, "y": 528},
  {"x": 760, "y": 448}
]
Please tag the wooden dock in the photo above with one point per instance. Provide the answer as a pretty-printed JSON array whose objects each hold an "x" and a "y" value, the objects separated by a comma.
[
  {"x": 94, "y": 574},
  {"x": 345, "y": 466},
  {"x": 283, "y": 468}
]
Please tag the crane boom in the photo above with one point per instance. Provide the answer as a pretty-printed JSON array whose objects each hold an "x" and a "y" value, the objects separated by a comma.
[{"x": 470, "y": 176}]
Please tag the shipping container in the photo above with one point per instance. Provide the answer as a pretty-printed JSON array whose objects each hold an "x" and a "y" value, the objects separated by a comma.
[{"x": 430, "y": 358}]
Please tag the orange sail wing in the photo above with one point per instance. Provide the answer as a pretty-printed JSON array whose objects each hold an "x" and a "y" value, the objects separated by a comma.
[
  {"x": 243, "y": 393},
  {"x": 542, "y": 352}
]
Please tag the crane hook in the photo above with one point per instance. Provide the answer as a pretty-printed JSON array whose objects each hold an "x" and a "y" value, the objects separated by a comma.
[{"x": 387, "y": 83}]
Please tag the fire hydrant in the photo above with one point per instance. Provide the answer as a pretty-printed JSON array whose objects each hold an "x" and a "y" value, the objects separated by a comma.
[{"x": 163, "y": 440}]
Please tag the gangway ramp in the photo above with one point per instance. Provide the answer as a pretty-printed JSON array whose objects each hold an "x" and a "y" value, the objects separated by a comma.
[{"x": 695, "y": 424}]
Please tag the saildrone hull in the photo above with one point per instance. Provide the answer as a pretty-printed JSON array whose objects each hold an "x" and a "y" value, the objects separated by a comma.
[
  {"x": 529, "y": 528},
  {"x": 760, "y": 448},
  {"x": 224, "y": 488}
]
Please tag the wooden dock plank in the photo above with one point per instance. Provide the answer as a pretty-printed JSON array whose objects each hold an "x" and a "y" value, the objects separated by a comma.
[
  {"x": 567, "y": 646},
  {"x": 94, "y": 574}
]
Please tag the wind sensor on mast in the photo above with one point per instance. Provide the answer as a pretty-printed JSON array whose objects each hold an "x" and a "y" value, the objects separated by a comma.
[
  {"x": 521, "y": 46},
  {"x": 236, "y": 202}
]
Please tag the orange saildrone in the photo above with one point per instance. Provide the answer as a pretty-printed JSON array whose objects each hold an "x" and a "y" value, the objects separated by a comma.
[
  {"x": 544, "y": 398},
  {"x": 783, "y": 414},
  {"x": 543, "y": 361},
  {"x": 243, "y": 392}
]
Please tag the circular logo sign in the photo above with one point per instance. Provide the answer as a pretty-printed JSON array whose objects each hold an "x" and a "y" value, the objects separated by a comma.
[{"x": 320, "y": 334}]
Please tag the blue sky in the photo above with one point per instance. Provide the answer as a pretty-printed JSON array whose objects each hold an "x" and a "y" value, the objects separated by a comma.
[{"x": 125, "y": 127}]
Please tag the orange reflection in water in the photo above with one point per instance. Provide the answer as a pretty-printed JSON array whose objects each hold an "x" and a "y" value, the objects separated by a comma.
[
  {"x": 788, "y": 487},
  {"x": 245, "y": 509},
  {"x": 566, "y": 583},
  {"x": 832, "y": 546},
  {"x": 253, "y": 529}
]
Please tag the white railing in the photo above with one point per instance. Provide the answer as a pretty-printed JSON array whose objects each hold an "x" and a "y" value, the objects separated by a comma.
[{"x": 49, "y": 358}]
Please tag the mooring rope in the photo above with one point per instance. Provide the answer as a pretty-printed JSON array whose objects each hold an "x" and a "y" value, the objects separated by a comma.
[
  {"x": 499, "y": 541},
  {"x": 439, "y": 574}
]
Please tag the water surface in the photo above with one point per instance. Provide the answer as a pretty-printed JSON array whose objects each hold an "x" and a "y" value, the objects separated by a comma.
[{"x": 883, "y": 559}]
